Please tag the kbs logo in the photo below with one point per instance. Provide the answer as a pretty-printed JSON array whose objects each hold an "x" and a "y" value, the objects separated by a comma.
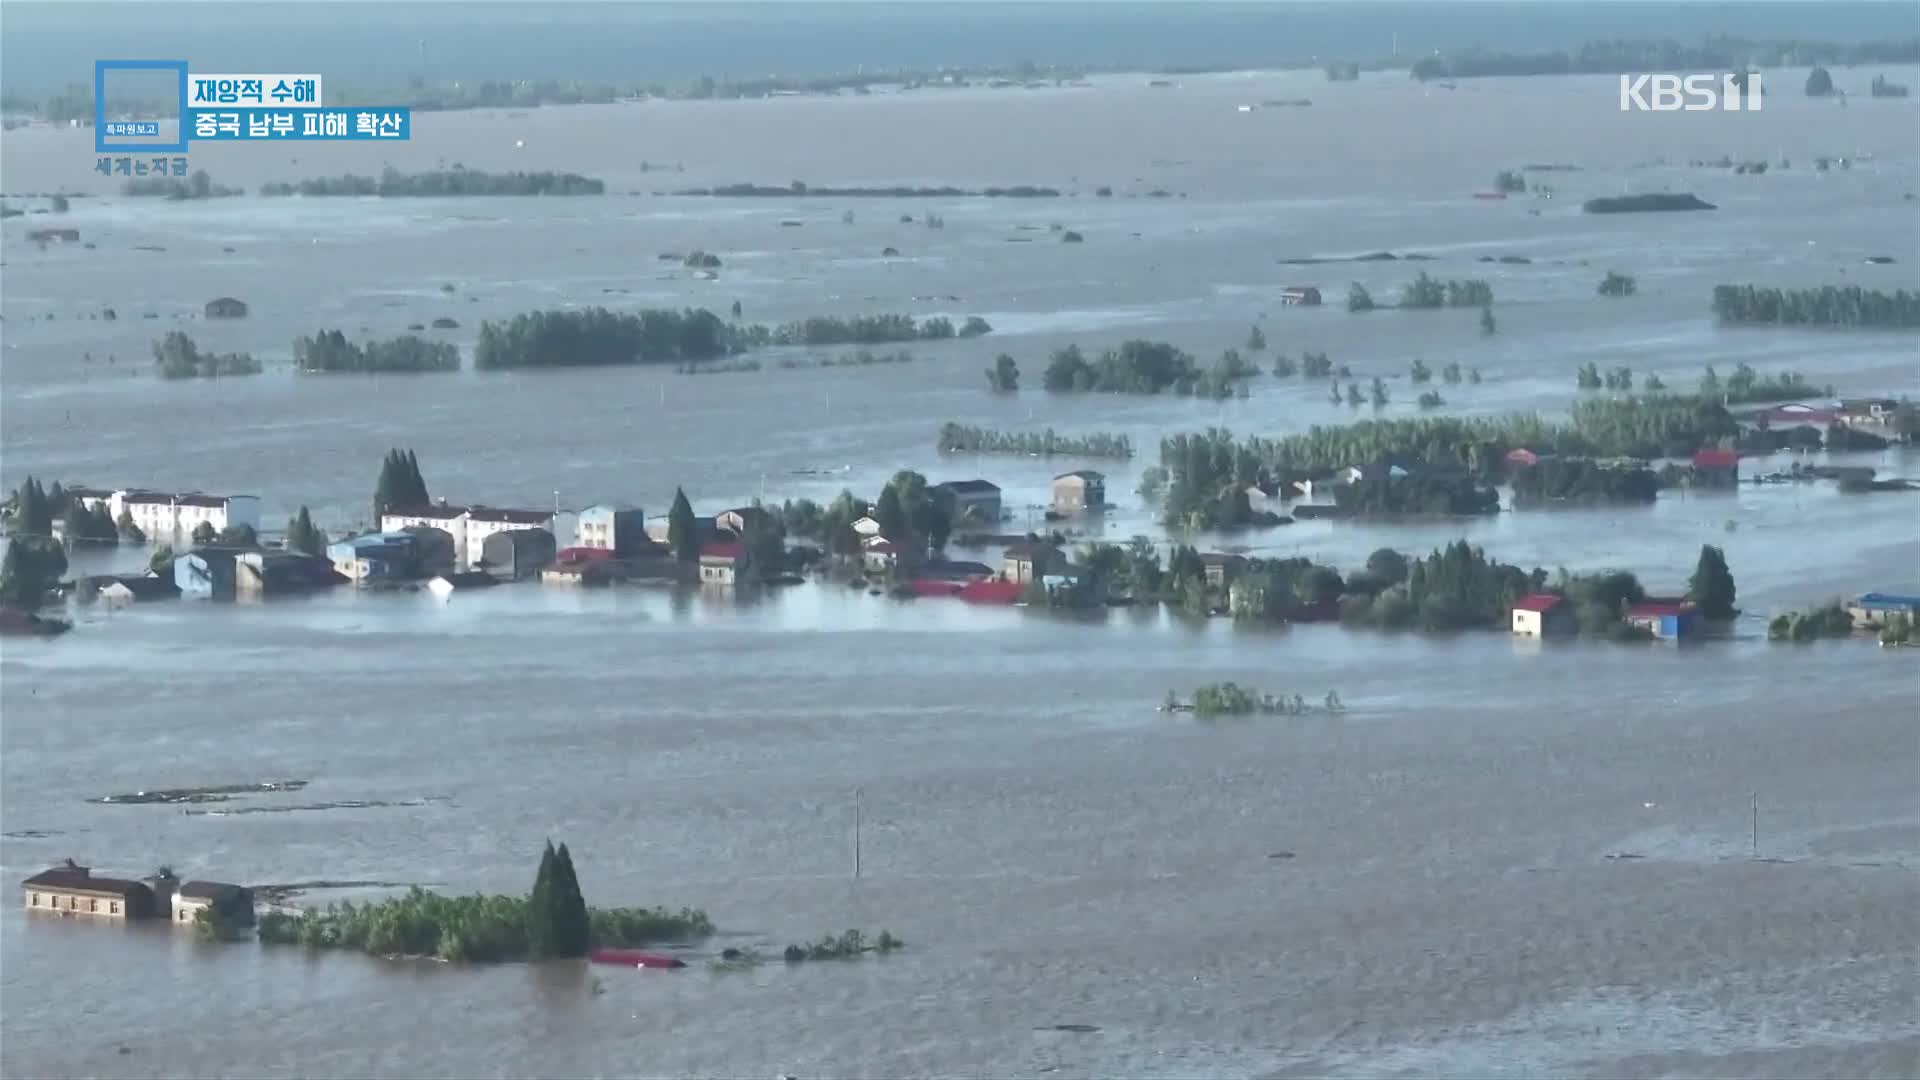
[{"x": 1690, "y": 93}]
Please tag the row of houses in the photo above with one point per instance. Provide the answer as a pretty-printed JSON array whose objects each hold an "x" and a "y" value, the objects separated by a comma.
[
  {"x": 1860, "y": 413},
  {"x": 72, "y": 890},
  {"x": 1674, "y": 618},
  {"x": 1543, "y": 615}
]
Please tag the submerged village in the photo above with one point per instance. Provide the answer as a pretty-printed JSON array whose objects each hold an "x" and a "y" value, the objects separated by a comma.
[{"x": 950, "y": 540}]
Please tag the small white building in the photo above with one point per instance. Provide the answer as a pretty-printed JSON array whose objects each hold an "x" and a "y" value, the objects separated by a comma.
[
  {"x": 878, "y": 555},
  {"x": 611, "y": 527},
  {"x": 722, "y": 563},
  {"x": 866, "y": 526},
  {"x": 193, "y": 897}
]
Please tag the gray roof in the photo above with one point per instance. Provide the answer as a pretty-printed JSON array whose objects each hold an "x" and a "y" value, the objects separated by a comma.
[{"x": 218, "y": 892}]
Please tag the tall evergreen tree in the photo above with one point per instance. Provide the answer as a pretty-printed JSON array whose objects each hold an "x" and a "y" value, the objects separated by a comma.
[
  {"x": 416, "y": 481},
  {"x": 32, "y": 567},
  {"x": 541, "y": 937},
  {"x": 1711, "y": 586},
  {"x": 32, "y": 513},
  {"x": 891, "y": 515},
  {"x": 572, "y": 926},
  {"x": 400, "y": 483},
  {"x": 681, "y": 536},
  {"x": 302, "y": 536}
]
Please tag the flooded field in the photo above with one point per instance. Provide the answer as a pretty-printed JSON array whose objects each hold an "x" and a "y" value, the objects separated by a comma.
[{"x": 1506, "y": 860}]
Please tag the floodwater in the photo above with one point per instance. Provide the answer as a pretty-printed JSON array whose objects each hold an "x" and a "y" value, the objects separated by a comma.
[{"x": 1446, "y": 897}]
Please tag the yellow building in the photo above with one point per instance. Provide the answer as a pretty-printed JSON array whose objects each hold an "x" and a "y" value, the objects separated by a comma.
[{"x": 71, "y": 889}]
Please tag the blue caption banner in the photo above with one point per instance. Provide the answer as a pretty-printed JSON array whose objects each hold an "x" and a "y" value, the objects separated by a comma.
[{"x": 389, "y": 124}]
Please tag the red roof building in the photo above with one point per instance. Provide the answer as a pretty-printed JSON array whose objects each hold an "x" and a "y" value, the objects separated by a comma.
[
  {"x": 717, "y": 551},
  {"x": 1541, "y": 615},
  {"x": 1653, "y": 609},
  {"x": 1716, "y": 459}
]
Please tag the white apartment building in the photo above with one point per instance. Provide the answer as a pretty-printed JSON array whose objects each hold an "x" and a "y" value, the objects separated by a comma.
[
  {"x": 167, "y": 517},
  {"x": 468, "y": 525}
]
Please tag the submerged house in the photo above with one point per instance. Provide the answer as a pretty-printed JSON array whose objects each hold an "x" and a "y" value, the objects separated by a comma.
[
  {"x": 1028, "y": 561},
  {"x": 1716, "y": 468},
  {"x": 235, "y": 902},
  {"x": 137, "y": 588},
  {"x": 1542, "y": 615},
  {"x": 282, "y": 572},
  {"x": 206, "y": 571},
  {"x": 71, "y": 889},
  {"x": 516, "y": 554},
  {"x": 1221, "y": 569},
  {"x": 1079, "y": 491},
  {"x": 615, "y": 527},
  {"x": 722, "y": 563},
  {"x": 1668, "y": 620},
  {"x": 976, "y": 501},
  {"x": 1875, "y": 608}
]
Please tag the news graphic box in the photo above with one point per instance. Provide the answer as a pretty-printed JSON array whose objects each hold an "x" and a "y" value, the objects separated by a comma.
[{"x": 141, "y": 81}]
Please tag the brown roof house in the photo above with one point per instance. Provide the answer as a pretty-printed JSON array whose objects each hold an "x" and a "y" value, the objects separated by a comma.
[
  {"x": 1079, "y": 491},
  {"x": 71, "y": 889}
]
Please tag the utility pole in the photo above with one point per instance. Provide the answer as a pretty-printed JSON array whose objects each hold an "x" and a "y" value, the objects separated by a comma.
[
  {"x": 1756, "y": 824},
  {"x": 856, "y": 834}
]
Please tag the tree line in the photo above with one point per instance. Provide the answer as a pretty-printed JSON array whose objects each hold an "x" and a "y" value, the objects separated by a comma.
[
  {"x": 598, "y": 336},
  {"x": 962, "y": 438},
  {"x": 1828, "y": 305},
  {"x": 439, "y": 183},
  {"x": 1613, "y": 56},
  {"x": 329, "y": 352}
]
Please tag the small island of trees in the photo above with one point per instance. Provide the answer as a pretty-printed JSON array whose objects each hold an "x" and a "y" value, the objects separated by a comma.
[
  {"x": 1617, "y": 285},
  {"x": 961, "y": 438},
  {"x": 1145, "y": 367},
  {"x": 177, "y": 357},
  {"x": 330, "y": 352},
  {"x": 551, "y": 922},
  {"x": 1649, "y": 202},
  {"x": 597, "y": 336}
]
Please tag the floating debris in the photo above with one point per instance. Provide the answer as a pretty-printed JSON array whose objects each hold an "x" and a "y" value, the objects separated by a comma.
[
  {"x": 1078, "y": 1029},
  {"x": 281, "y": 893},
  {"x": 32, "y": 834},
  {"x": 215, "y": 793}
]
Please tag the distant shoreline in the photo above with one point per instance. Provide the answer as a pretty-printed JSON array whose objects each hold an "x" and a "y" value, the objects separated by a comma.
[{"x": 1611, "y": 57}]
